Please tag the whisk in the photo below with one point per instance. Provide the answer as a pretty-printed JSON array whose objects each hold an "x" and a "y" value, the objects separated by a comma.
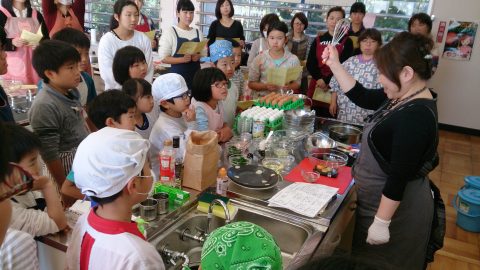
[{"x": 341, "y": 29}]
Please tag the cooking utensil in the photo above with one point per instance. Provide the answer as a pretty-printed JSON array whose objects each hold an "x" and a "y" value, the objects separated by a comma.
[
  {"x": 345, "y": 134},
  {"x": 340, "y": 30},
  {"x": 253, "y": 177},
  {"x": 319, "y": 142},
  {"x": 333, "y": 159},
  {"x": 310, "y": 177}
]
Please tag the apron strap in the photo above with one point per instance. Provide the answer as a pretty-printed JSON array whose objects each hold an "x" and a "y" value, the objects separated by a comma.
[{"x": 6, "y": 12}]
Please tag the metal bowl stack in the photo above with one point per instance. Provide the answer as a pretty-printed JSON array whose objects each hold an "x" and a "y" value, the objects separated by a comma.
[{"x": 299, "y": 120}]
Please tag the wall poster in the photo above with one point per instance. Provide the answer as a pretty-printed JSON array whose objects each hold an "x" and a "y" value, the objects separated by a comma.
[{"x": 460, "y": 39}]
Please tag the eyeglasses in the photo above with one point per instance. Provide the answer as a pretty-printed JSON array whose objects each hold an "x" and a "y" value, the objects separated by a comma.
[
  {"x": 16, "y": 182},
  {"x": 220, "y": 85},
  {"x": 145, "y": 177},
  {"x": 183, "y": 96},
  {"x": 368, "y": 41}
]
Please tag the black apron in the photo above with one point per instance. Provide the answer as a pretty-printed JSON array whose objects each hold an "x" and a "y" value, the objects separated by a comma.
[
  {"x": 411, "y": 224},
  {"x": 187, "y": 70}
]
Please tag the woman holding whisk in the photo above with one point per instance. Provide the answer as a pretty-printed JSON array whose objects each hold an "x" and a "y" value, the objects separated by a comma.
[
  {"x": 395, "y": 206},
  {"x": 321, "y": 73}
]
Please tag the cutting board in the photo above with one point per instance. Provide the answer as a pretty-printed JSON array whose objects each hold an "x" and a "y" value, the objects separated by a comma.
[{"x": 341, "y": 182}]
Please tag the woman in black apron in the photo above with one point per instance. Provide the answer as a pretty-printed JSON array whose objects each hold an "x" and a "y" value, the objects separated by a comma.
[
  {"x": 398, "y": 150},
  {"x": 184, "y": 64}
]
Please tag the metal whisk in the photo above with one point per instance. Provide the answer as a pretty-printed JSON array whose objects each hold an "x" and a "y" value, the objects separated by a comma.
[{"x": 341, "y": 29}]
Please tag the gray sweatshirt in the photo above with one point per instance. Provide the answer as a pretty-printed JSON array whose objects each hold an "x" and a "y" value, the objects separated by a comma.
[{"x": 58, "y": 122}]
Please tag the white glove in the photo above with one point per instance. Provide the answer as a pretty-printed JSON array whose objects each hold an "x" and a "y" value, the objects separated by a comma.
[{"x": 378, "y": 232}]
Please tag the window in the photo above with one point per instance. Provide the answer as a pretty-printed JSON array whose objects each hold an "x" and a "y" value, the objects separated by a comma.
[
  {"x": 250, "y": 12},
  {"x": 393, "y": 16},
  {"x": 98, "y": 13}
]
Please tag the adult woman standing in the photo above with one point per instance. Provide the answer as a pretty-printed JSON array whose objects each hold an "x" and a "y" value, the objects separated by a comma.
[
  {"x": 225, "y": 26},
  {"x": 122, "y": 33},
  {"x": 321, "y": 73},
  {"x": 63, "y": 13},
  {"x": 299, "y": 44},
  {"x": 16, "y": 16},
  {"x": 395, "y": 205},
  {"x": 172, "y": 39},
  {"x": 363, "y": 68}
]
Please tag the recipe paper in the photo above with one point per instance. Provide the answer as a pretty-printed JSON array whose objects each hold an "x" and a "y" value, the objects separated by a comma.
[
  {"x": 304, "y": 198},
  {"x": 192, "y": 47},
  {"x": 32, "y": 38},
  {"x": 283, "y": 76}
]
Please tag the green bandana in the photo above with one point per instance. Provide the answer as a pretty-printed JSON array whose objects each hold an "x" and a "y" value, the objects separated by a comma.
[{"x": 241, "y": 246}]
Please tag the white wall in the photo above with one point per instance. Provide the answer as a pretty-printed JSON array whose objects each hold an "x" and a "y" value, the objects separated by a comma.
[{"x": 458, "y": 82}]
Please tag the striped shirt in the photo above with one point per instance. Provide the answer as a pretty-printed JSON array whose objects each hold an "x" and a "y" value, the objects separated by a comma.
[
  {"x": 18, "y": 251},
  {"x": 258, "y": 70}
]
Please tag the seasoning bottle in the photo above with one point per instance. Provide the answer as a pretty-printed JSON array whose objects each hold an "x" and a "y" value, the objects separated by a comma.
[
  {"x": 167, "y": 163},
  {"x": 178, "y": 162},
  {"x": 222, "y": 182},
  {"x": 258, "y": 127}
]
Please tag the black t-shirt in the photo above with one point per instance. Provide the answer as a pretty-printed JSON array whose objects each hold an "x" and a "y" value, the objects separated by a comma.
[
  {"x": 313, "y": 66},
  {"x": 218, "y": 30},
  {"x": 403, "y": 139},
  {"x": 5, "y": 110}
]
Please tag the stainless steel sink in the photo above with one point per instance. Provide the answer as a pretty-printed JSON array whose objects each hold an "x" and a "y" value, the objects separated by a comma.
[{"x": 296, "y": 239}]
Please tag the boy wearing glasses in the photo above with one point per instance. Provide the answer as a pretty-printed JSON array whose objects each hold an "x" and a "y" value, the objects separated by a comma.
[
  {"x": 111, "y": 169},
  {"x": 18, "y": 250},
  {"x": 56, "y": 115},
  {"x": 28, "y": 213},
  {"x": 170, "y": 92}
]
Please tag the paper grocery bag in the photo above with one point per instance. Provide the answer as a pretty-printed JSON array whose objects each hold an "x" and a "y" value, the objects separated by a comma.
[{"x": 201, "y": 160}]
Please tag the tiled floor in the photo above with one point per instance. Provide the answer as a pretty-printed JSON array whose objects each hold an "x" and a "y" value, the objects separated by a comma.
[{"x": 459, "y": 156}]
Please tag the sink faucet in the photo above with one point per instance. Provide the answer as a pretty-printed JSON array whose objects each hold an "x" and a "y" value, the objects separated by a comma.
[{"x": 210, "y": 214}]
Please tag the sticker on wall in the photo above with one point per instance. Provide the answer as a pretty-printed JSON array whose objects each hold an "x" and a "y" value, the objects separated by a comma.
[{"x": 460, "y": 39}]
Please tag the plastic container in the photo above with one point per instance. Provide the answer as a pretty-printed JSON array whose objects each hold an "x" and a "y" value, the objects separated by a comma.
[
  {"x": 222, "y": 182},
  {"x": 467, "y": 204},
  {"x": 472, "y": 181}
]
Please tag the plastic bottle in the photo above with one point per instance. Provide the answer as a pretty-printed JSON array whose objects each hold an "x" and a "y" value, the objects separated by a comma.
[
  {"x": 222, "y": 182},
  {"x": 167, "y": 163},
  {"x": 178, "y": 162}
]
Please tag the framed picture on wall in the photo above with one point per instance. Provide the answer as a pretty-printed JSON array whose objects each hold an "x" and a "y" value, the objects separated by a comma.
[{"x": 460, "y": 40}]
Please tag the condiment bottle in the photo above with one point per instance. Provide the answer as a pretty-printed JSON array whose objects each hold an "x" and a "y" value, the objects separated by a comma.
[
  {"x": 222, "y": 182},
  {"x": 167, "y": 163}
]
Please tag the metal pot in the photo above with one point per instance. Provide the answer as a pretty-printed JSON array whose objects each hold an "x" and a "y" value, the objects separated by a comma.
[{"x": 345, "y": 134}]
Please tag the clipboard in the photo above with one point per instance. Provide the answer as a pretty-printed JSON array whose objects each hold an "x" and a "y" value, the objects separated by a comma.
[{"x": 192, "y": 47}]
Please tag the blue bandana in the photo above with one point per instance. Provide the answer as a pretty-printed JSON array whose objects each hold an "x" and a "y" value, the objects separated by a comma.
[{"x": 218, "y": 50}]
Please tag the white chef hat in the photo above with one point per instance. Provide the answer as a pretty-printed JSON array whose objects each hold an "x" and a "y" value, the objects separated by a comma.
[
  {"x": 168, "y": 86},
  {"x": 107, "y": 160}
]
